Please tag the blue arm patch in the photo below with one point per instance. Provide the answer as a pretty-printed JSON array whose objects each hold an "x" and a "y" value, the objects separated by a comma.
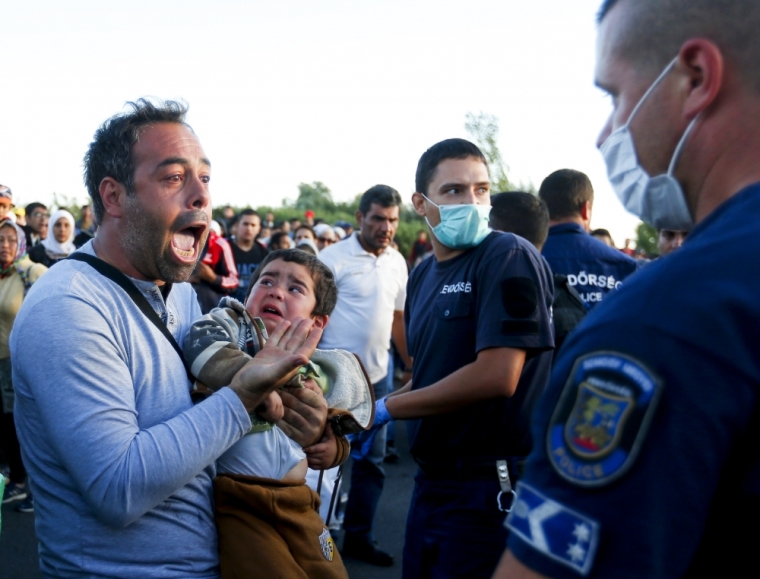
[{"x": 561, "y": 534}]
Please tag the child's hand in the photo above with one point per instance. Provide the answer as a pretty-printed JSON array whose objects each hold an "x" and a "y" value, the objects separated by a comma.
[
  {"x": 271, "y": 409},
  {"x": 323, "y": 454}
]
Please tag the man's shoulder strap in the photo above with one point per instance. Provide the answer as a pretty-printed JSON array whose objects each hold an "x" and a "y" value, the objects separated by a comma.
[{"x": 109, "y": 271}]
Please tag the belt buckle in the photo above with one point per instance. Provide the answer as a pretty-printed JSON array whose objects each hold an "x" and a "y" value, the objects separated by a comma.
[{"x": 506, "y": 486}]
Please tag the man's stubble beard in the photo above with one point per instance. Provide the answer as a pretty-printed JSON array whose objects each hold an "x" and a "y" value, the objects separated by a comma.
[{"x": 146, "y": 240}]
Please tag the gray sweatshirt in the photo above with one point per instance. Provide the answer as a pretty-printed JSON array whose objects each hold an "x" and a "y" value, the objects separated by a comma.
[{"x": 120, "y": 460}]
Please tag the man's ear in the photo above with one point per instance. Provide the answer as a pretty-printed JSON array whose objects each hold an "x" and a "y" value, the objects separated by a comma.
[
  {"x": 585, "y": 211},
  {"x": 359, "y": 216},
  {"x": 112, "y": 193},
  {"x": 418, "y": 201},
  {"x": 704, "y": 65},
  {"x": 320, "y": 321}
]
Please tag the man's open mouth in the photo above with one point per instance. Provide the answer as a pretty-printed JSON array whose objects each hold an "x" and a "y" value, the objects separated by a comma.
[{"x": 186, "y": 242}]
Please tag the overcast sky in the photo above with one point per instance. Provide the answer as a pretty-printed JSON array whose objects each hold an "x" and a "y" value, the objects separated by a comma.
[{"x": 349, "y": 93}]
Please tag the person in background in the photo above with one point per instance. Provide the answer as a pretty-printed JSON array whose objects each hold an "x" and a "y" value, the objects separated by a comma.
[
  {"x": 604, "y": 236},
  {"x": 325, "y": 236},
  {"x": 280, "y": 240},
  {"x": 371, "y": 278},
  {"x": 6, "y": 201},
  {"x": 247, "y": 252},
  {"x": 60, "y": 244},
  {"x": 36, "y": 227},
  {"x": 420, "y": 248},
  {"x": 592, "y": 268},
  {"x": 669, "y": 240},
  {"x": 215, "y": 275},
  {"x": 17, "y": 274},
  {"x": 304, "y": 232},
  {"x": 527, "y": 216}
]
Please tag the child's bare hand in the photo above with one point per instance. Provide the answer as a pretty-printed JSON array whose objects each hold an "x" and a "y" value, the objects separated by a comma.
[
  {"x": 272, "y": 408},
  {"x": 322, "y": 455}
]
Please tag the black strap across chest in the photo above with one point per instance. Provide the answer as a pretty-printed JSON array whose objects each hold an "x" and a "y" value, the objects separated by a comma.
[{"x": 109, "y": 271}]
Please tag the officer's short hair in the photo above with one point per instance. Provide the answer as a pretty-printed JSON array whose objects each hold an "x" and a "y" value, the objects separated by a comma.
[
  {"x": 520, "y": 213},
  {"x": 435, "y": 155},
  {"x": 110, "y": 153},
  {"x": 381, "y": 195},
  {"x": 655, "y": 30},
  {"x": 564, "y": 192}
]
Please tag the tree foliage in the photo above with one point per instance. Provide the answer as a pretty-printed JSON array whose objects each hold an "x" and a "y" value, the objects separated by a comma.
[
  {"x": 484, "y": 129},
  {"x": 314, "y": 196},
  {"x": 646, "y": 239}
]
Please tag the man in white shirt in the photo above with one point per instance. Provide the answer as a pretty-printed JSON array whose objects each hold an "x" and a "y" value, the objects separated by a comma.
[{"x": 371, "y": 278}]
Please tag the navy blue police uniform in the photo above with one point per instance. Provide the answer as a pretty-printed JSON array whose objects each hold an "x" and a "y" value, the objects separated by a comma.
[
  {"x": 592, "y": 268},
  {"x": 646, "y": 461},
  {"x": 496, "y": 295}
]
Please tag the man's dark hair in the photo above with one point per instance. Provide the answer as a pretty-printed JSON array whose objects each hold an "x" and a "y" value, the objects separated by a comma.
[
  {"x": 304, "y": 226},
  {"x": 325, "y": 289},
  {"x": 110, "y": 153},
  {"x": 244, "y": 212},
  {"x": 654, "y": 31},
  {"x": 32, "y": 207},
  {"x": 276, "y": 238},
  {"x": 521, "y": 213},
  {"x": 435, "y": 155},
  {"x": 382, "y": 195},
  {"x": 564, "y": 192}
]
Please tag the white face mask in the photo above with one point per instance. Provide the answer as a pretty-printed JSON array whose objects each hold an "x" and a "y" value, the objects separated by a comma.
[{"x": 658, "y": 201}]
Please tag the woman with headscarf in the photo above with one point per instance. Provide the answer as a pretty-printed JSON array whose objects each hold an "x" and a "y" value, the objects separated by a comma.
[
  {"x": 58, "y": 245},
  {"x": 17, "y": 274}
]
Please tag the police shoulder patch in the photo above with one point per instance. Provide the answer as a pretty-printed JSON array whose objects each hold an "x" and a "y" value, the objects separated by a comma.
[
  {"x": 562, "y": 534},
  {"x": 602, "y": 418}
]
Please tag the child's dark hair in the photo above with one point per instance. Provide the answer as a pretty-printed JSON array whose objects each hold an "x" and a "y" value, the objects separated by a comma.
[{"x": 325, "y": 289}]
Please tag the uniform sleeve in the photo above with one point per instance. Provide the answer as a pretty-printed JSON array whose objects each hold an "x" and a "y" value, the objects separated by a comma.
[
  {"x": 79, "y": 406},
  {"x": 631, "y": 440},
  {"x": 211, "y": 349},
  {"x": 514, "y": 301}
]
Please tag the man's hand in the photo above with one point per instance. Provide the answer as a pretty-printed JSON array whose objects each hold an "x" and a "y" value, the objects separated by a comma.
[
  {"x": 322, "y": 455},
  {"x": 305, "y": 415},
  {"x": 288, "y": 348}
]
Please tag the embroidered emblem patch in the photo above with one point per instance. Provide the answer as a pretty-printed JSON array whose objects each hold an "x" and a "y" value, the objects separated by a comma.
[
  {"x": 327, "y": 544},
  {"x": 602, "y": 418},
  {"x": 561, "y": 534}
]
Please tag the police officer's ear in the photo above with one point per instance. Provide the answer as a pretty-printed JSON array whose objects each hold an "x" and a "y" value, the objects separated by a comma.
[
  {"x": 585, "y": 213},
  {"x": 113, "y": 194},
  {"x": 702, "y": 67},
  {"x": 418, "y": 201}
]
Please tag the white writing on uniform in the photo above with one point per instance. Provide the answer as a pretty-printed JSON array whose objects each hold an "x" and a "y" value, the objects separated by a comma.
[
  {"x": 456, "y": 288},
  {"x": 591, "y": 279}
]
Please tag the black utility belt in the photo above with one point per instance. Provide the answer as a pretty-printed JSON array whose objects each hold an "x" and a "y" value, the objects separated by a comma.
[{"x": 477, "y": 469}]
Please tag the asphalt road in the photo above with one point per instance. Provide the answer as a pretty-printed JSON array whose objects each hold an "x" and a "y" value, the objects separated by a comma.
[{"x": 18, "y": 544}]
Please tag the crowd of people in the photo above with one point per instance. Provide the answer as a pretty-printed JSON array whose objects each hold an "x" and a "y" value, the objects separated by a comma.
[{"x": 572, "y": 410}]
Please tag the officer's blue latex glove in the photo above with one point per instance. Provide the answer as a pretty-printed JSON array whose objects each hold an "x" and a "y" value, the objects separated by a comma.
[{"x": 367, "y": 439}]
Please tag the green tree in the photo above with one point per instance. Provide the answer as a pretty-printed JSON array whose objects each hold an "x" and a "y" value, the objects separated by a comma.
[
  {"x": 314, "y": 196},
  {"x": 646, "y": 239},
  {"x": 484, "y": 128}
]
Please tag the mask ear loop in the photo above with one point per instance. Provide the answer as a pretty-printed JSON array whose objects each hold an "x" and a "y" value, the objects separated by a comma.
[
  {"x": 681, "y": 144},
  {"x": 663, "y": 74}
]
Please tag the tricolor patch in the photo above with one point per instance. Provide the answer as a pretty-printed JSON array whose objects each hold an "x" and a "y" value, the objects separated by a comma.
[{"x": 601, "y": 418}]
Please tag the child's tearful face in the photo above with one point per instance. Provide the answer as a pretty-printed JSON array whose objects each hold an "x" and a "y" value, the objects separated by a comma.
[{"x": 284, "y": 290}]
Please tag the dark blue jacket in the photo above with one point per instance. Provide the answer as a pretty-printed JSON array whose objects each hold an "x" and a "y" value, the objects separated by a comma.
[{"x": 592, "y": 268}]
